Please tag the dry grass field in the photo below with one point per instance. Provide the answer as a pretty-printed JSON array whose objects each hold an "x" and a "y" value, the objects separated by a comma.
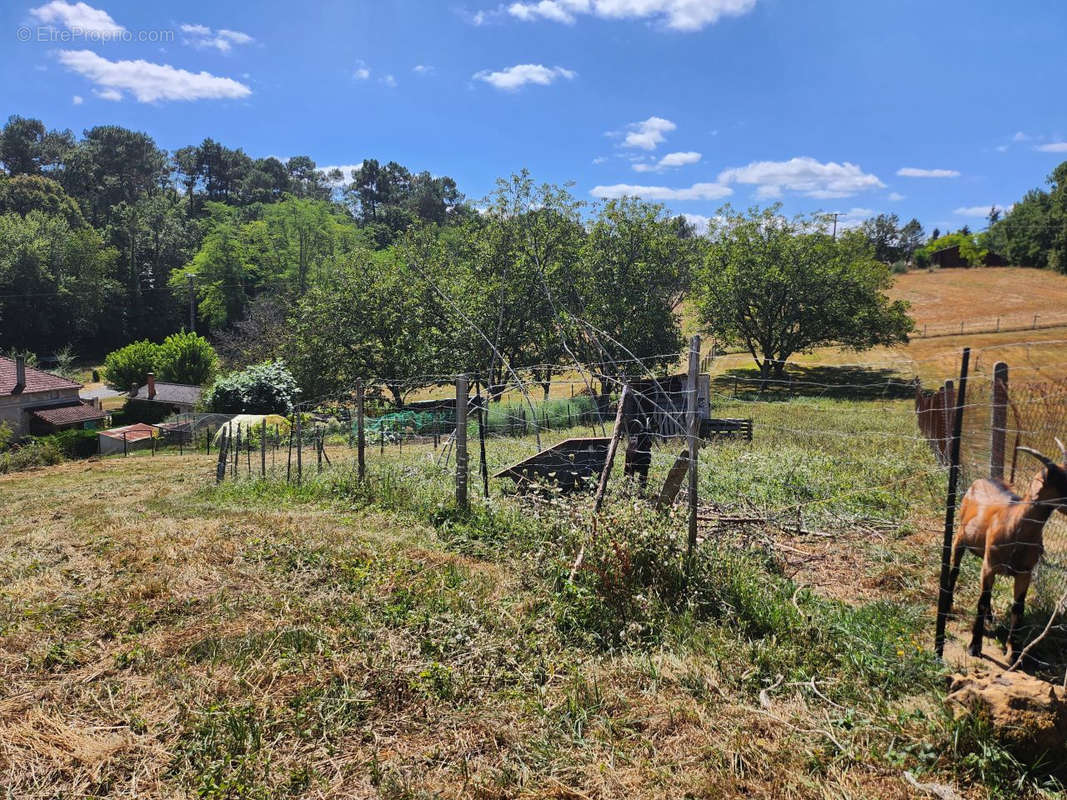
[
  {"x": 949, "y": 296},
  {"x": 162, "y": 637}
]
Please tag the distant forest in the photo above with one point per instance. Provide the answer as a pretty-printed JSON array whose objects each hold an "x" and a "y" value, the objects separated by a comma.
[{"x": 108, "y": 239}]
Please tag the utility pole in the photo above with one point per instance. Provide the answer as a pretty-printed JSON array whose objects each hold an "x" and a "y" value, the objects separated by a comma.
[
  {"x": 835, "y": 215},
  {"x": 192, "y": 303}
]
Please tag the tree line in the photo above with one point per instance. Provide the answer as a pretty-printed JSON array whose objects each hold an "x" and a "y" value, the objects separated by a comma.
[{"x": 393, "y": 275}]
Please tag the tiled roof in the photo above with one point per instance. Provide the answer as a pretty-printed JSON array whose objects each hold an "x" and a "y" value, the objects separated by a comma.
[
  {"x": 178, "y": 393},
  {"x": 68, "y": 415},
  {"x": 134, "y": 433},
  {"x": 36, "y": 380}
]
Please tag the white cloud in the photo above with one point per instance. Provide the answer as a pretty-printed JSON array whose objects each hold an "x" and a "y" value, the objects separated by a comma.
[
  {"x": 149, "y": 82},
  {"x": 77, "y": 100},
  {"x": 1052, "y": 147},
  {"x": 362, "y": 71},
  {"x": 916, "y": 172},
  {"x": 699, "y": 222},
  {"x": 980, "y": 212},
  {"x": 79, "y": 17},
  {"x": 896, "y": 197},
  {"x": 222, "y": 40},
  {"x": 237, "y": 37},
  {"x": 114, "y": 95},
  {"x": 852, "y": 218},
  {"x": 698, "y": 191},
  {"x": 804, "y": 175},
  {"x": 679, "y": 15},
  {"x": 669, "y": 160},
  {"x": 422, "y": 69},
  {"x": 514, "y": 78},
  {"x": 1019, "y": 137},
  {"x": 346, "y": 173},
  {"x": 600, "y": 159},
  {"x": 647, "y": 135},
  {"x": 389, "y": 80}
]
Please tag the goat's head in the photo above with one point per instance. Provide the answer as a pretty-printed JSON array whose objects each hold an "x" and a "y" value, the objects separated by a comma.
[{"x": 1053, "y": 477}]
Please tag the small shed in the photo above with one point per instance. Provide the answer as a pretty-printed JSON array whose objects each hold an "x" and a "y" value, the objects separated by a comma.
[{"x": 138, "y": 436}]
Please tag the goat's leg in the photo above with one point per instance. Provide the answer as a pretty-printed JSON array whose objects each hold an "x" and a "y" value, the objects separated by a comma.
[
  {"x": 984, "y": 602},
  {"x": 958, "y": 549},
  {"x": 1022, "y": 584}
]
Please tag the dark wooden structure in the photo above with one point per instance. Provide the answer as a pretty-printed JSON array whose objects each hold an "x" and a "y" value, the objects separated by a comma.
[
  {"x": 571, "y": 465},
  {"x": 726, "y": 429},
  {"x": 658, "y": 406}
]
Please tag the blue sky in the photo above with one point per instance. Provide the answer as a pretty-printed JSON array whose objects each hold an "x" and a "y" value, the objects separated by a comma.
[{"x": 935, "y": 110}]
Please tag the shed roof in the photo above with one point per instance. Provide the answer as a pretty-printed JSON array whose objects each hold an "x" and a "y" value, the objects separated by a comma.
[
  {"x": 134, "y": 433},
  {"x": 177, "y": 393},
  {"x": 69, "y": 415},
  {"x": 36, "y": 380}
]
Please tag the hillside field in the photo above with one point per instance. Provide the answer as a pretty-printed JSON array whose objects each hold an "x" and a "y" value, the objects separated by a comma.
[{"x": 164, "y": 637}]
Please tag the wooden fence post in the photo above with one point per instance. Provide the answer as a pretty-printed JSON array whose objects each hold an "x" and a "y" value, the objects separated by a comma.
[
  {"x": 693, "y": 437},
  {"x": 944, "y": 597},
  {"x": 289, "y": 456},
  {"x": 361, "y": 439},
  {"x": 999, "y": 422},
  {"x": 461, "y": 441},
  {"x": 948, "y": 409},
  {"x": 125, "y": 449},
  {"x": 609, "y": 461}
]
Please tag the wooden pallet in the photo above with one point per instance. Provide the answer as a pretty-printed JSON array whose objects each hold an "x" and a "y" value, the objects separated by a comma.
[{"x": 570, "y": 465}]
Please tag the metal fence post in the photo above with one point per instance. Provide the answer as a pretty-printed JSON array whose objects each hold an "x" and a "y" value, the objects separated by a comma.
[
  {"x": 483, "y": 466},
  {"x": 944, "y": 597},
  {"x": 361, "y": 439},
  {"x": 220, "y": 467},
  {"x": 263, "y": 448},
  {"x": 999, "y": 422},
  {"x": 693, "y": 419},
  {"x": 461, "y": 441}
]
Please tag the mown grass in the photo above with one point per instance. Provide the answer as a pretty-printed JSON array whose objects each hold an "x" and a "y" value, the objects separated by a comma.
[{"x": 340, "y": 638}]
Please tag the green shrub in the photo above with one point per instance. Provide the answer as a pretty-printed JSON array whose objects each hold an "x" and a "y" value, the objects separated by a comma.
[
  {"x": 141, "y": 411},
  {"x": 267, "y": 388},
  {"x": 74, "y": 443},
  {"x": 186, "y": 358},
  {"x": 35, "y": 453},
  {"x": 130, "y": 364}
]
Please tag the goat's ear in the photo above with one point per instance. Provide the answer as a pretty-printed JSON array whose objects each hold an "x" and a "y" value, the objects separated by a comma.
[{"x": 1063, "y": 450}]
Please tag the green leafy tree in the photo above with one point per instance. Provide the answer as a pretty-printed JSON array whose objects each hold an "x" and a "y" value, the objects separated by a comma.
[
  {"x": 55, "y": 281},
  {"x": 186, "y": 358},
  {"x": 516, "y": 278},
  {"x": 130, "y": 365},
  {"x": 221, "y": 270},
  {"x": 634, "y": 270},
  {"x": 27, "y": 148},
  {"x": 374, "y": 319},
  {"x": 780, "y": 287},
  {"x": 267, "y": 388}
]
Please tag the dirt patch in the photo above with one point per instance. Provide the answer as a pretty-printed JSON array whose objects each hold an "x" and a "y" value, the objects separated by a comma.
[{"x": 1028, "y": 715}]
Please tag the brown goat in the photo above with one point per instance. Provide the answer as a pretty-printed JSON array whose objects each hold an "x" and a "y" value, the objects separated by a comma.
[{"x": 1006, "y": 530}]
